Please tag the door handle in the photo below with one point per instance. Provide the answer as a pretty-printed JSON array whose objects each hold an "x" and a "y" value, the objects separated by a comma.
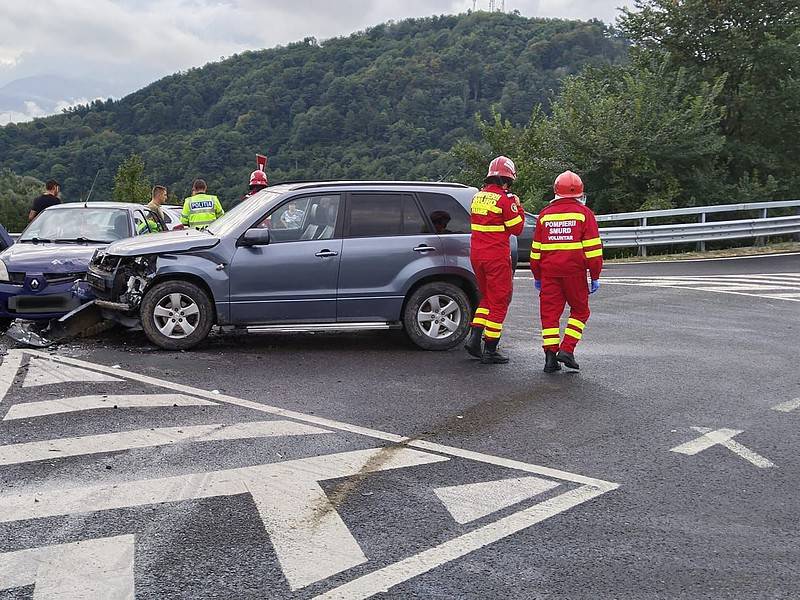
[
  {"x": 424, "y": 248},
  {"x": 326, "y": 253}
]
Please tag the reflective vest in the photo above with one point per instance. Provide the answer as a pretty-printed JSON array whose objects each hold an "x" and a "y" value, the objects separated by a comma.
[
  {"x": 200, "y": 210},
  {"x": 496, "y": 215},
  {"x": 566, "y": 241}
]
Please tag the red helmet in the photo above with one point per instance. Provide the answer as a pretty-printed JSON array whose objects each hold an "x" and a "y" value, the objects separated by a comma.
[
  {"x": 568, "y": 185},
  {"x": 502, "y": 166},
  {"x": 258, "y": 177}
]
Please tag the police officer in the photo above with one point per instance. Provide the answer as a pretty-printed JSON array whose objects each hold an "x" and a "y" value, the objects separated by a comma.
[
  {"x": 496, "y": 214},
  {"x": 566, "y": 243},
  {"x": 200, "y": 209}
]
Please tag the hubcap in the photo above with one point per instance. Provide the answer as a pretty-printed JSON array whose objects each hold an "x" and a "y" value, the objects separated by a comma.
[
  {"x": 439, "y": 316},
  {"x": 176, "y": 315}
]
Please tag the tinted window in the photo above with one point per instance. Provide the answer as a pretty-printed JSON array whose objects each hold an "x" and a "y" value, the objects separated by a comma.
[
  {"x": 384, "y": 215},
  {"x": 446, "y": 214}
]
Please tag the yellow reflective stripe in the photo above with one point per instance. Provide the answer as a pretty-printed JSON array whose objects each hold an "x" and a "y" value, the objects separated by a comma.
[
  {"x": 551, "y": 331},
  {"x": 492, "y": 334},
  {"x": 482, "y": 311},
  {"x": 488, "y": 227},
  {"x": 594, "y": 253},
  {"x": 563, "y": 246},
  {"x": 591, "y": 242},
  {"x": 487, "y": 323},
  {"x": 576, "y": 324},
  {"x": 536, "y": 245},
  {"x": 551, "y": 342},
  {"x": 536, "y": 256},
  {"x": 563, "y": 217},
  {"x": 576, "y": 334},
  {"x": 513, "y": 221}
]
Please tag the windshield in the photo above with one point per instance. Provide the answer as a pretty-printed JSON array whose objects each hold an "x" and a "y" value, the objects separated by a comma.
[
  {"x": 100, "y": 225},
  {"x": 246, "y": 212}
]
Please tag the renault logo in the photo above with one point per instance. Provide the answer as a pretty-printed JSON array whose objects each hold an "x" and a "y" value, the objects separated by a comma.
[{"x": 34, "y": 284}]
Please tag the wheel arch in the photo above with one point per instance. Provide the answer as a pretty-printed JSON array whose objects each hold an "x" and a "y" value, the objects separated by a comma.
[{"x": 469, "y": 287}]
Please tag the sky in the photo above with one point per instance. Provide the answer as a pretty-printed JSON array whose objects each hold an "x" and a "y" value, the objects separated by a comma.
[{"x": 56, "y": 53}]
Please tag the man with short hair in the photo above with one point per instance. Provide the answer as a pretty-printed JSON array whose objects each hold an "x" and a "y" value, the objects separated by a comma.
[
  {"x": 51, "y": 197},
  {"x": 200, "y": 209},
  {"x": 157, "y": 198}
]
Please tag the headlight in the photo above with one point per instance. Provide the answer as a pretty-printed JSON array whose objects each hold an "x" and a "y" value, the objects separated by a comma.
[{"x": 4, "y": 272}]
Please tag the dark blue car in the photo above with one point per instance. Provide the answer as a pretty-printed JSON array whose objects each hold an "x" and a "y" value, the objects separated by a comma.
[{"x": 38, "y": 272}]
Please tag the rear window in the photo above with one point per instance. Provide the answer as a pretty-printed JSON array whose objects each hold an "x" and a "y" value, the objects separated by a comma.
[
  {"x": 445, "y": 212},
  {"x": 375, "y": 215}
]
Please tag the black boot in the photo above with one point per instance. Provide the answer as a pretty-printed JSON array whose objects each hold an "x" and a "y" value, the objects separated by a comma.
[
  {"x": 490, "y": 354},
  {"x": 568, "y": 359},
  {"x": 473, "y": 345},
  {"x": 550, "y": 362}
]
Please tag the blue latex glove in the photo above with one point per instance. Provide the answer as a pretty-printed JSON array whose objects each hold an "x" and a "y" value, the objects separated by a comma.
[
  {"x": 595, "y": 286},
  {"x": 537, "y": 284}
]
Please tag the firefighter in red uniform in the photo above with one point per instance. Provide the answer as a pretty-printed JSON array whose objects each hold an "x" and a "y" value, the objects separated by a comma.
[
  {"x": 258, "y": 181},
  {"x": 566, "y": 243},
  {"x": 497, "y": 214}
]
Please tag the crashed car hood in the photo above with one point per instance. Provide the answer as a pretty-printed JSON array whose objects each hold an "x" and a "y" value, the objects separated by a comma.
[
  {"x": 49, "y": 258},
  {"x": 167, "y": 242}
]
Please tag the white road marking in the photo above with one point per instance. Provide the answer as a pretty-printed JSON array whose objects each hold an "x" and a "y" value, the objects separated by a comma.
[
  {"x": 8, "y": 371},
  {"x": 472, "y": 501},
  {"x": 46, "y": 372},
  {"x": 778, "y": 286},
  {"x": 384, "y": 579},
  {"x": 98, "y": 569},
  {"x": 13, "y": 454},
  {"x": 309, "y": 537},
  {"x": 787, "y": 406},
  {"x": 722, "y": 437},
  {"x": 80, "y": 403}
]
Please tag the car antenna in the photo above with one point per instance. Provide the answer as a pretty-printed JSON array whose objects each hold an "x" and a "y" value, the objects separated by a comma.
[{"x": 91, "y": 189}]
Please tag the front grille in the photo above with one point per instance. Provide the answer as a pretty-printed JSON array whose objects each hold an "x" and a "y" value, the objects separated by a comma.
[
  {"x": 63, "y": 277},
  {"x": 17, "y": 278}
]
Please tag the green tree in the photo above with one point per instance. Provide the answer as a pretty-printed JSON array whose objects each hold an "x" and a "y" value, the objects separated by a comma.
[
  {"x": 130, "y": 183},
  {"x": 16, "y": 196}
]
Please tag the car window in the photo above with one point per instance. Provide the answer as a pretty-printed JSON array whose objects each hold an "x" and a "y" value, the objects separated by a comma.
[
  {"x": 445, "y": 212},
  {"x": 303, "y": 219},
  {"x": 376, "y": 214},
  {"x": 146, "y": 221},
  {"x": 71, "y": 224}
]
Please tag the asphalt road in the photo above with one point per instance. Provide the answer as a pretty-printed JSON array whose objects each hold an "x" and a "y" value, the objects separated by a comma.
[{"x": 502, "y": 482}]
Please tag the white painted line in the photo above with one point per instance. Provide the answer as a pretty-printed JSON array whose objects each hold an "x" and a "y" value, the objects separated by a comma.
[
  {"x": 722, "y": 437},
  {"x": 147, "y": 438},
  {"x": 331, "y": 424},
  {"x": 309, "y": 537},
  {"x": 787, "y": 406},
  {"x": 99, "y": 569},
  {"x": 8, "y": 371},
  {"x": 693, "y": 260},
  {"x": 27, "y": 410},
  {"x": 384, "y": 579},
  {"x": 472, "y": 501},
  {"x": 46, "y": 372}
]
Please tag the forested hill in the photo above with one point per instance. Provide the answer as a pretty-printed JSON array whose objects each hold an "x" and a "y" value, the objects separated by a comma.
[{"x": 388, "y": 102}]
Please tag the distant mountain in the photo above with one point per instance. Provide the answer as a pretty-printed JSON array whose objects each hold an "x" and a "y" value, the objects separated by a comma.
[
  {"x": 42, "y": 95},
  {"x": 388, "y": 102}
]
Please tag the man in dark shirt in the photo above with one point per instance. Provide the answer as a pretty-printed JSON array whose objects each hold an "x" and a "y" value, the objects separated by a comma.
[{"x": 51, "y": 197}]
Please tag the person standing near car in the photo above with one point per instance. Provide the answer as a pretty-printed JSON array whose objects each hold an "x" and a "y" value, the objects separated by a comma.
[
  {"x": 201, "y": 208},
  {"x": 51, "y": 197},
  {"x": 158, "y": 196},
  {"x": 496, "y": 214},
  {"x": 566, "y": 243}
]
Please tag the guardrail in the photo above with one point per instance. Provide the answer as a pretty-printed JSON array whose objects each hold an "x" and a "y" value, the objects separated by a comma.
[{"x": 645, "y": 235}]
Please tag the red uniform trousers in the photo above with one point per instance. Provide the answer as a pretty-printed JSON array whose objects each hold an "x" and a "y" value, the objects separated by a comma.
[
  {"x": 496, "y": 284},
  {"x": 556, "y": 292}
]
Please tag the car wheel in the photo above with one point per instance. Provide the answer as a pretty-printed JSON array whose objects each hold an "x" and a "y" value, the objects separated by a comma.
[
  {"x": 176, "y": 315},
  {"x": 437, "y": 316}
]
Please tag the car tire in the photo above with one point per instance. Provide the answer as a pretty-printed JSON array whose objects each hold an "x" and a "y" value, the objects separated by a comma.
[
  {"x": 167, "y": 304},
  {"x": 427, "y": 317}
]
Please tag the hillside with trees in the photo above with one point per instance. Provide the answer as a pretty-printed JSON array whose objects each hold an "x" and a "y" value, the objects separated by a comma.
[{"x": 388, "y": 102}]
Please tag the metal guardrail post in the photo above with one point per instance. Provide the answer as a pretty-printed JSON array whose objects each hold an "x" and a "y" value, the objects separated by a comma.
[
  {"x": 701, "y": 246},
  {"x": 762, "y": 240},
  {"x": 643, "y": 249}
]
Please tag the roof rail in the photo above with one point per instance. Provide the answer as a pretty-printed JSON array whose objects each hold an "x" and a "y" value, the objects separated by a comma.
[{"x": 305, "y": 184}]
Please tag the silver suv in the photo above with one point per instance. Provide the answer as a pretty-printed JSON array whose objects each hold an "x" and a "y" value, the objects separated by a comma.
[{"x": 303, "y": 256}]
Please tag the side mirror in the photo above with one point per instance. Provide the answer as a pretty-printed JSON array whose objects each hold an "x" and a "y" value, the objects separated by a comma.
[{"x": 255, "y": 237}]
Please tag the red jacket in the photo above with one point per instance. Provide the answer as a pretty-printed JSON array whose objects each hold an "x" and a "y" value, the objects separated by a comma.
[
  {"x": 496, "y": 215},
  {"x": 566, "y": 241}
]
